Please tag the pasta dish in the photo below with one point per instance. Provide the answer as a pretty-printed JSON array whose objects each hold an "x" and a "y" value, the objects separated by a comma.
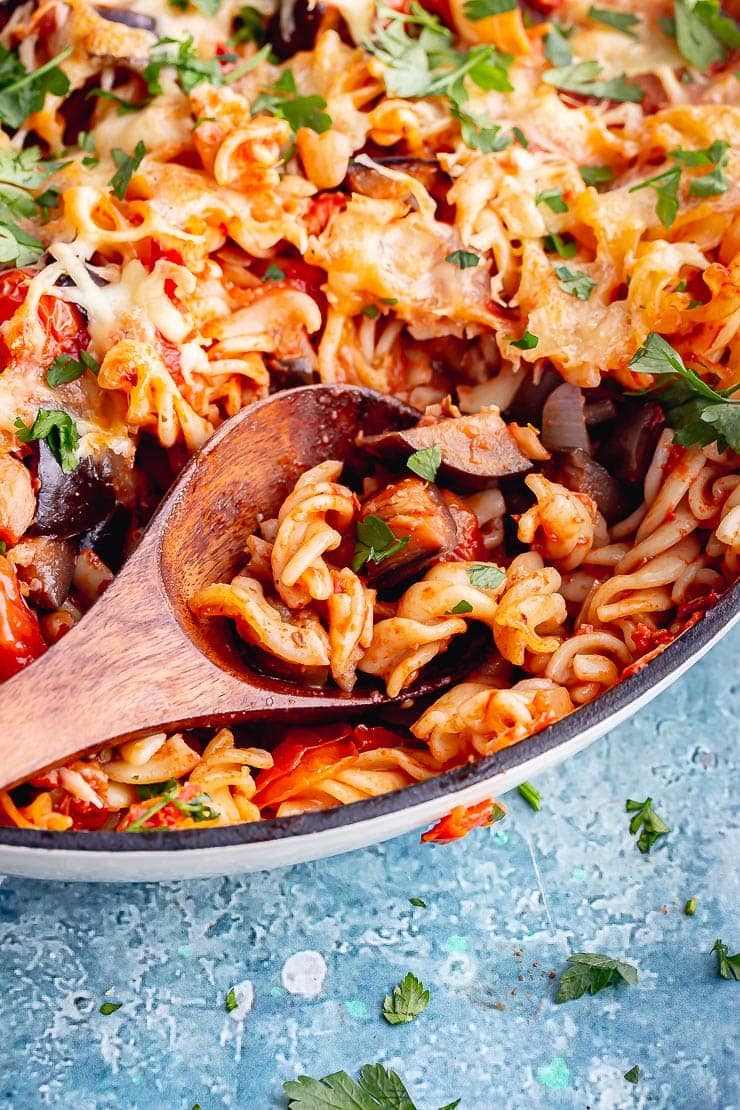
[{"x": 520, "y": 219}]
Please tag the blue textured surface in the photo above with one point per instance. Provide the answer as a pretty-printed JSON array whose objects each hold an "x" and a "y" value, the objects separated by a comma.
[{"x": 505, "y": 907}]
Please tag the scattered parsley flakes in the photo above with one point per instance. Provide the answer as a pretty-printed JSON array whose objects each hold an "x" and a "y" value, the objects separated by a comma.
[
  {"x": 592, "y": 972},
  {"x": 583, "y": 78},
  {"x": 426, "y": 462},
  {"x": 21, "y": 173},
  {"x": 690, "y": 907},
  {"x": 410, "y": 998},
  {"x": 124, "y": 107},
  {"x": 564, "y": 245},
  {"x": 65, "y": 369},
  {"x": 371, "y": 311},
  {"x": 464, "y": 260},
  {"x": 531, "y": 795},
  {"x": 462, "y": 606},
  {"x": 553, "y": 198},
  {"x": 520, "y": 137},
  {"x": 231, "y": 1002},
  {"x": 419, "y": 902},
  {"x": 197, "y": 809},
  {"x": 653, "y": 826},
  {"x": 207, "y": 7},
  {"x": 596, "y": 175},
  {"x": 486, "y": 576},
  {"x": 273, "y": 273},
  {"x": 191, "y": 70},
  {"x": 108, "y": 1008},
  {"x": 59, "y": 431},
  {"x": 283, "y": 101},
  {"x": 728, "y": 966},
  {"x": 619, "y": 21},
  {"x": 703, "y": 33},
  {"x": 633, "y": 1074},
  {"x": 23, "y": 92},
  {"x": 698, "y": 414},
  {"x": 575, "y": 282},
  {"x": 527, "y": 342},
  {"x": 476, "y": 10},
  {"x": 479, "y": 132},
  {"x": 249, "y": 27},
  {"x": 127, "y": 165},
  {"x": 557, "y": 47},
  {"x": 375, "y": 542},
  {"x": 666, "y": 186},
  {"x": 377, "y": 1088}
]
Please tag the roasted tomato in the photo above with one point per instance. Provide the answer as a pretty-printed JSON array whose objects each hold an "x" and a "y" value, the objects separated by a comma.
[
  {"x": 301, "y": 760},
  {"x": 20, "y": 636},
  {"x": 463, "y": 820},
  {"x": 62, "y": 321}
]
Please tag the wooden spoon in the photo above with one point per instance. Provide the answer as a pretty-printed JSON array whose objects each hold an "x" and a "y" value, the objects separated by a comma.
[{"x": 139, "y": 662}]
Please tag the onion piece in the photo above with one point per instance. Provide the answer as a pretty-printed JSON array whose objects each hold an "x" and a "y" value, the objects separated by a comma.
[{"x": 564, "y": 421}]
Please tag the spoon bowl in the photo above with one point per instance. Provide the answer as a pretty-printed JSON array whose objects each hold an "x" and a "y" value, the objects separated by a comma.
[{"x": 139, "y": 661}]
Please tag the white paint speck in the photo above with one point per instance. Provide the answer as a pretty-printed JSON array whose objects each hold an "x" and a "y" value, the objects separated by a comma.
[
  {"x": 244, "y": 994},
  {"x": 304, "y": 974}
]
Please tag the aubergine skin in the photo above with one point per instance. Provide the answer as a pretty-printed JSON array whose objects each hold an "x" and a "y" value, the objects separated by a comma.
[
  {"x": 414, "y": 511},
  {"x": 69, "y": 504},
  {"x": 47, "y": 570}
]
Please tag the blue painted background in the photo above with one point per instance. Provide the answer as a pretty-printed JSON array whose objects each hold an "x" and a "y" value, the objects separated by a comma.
[{"x": 505, "y": 907}]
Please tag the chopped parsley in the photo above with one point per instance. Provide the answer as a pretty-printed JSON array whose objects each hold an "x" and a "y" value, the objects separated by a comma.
[
  {"x": 462, "y": 606},
  {"x": 482, "y": 9},
  {"x": 715, "y": 182},
  {"x": 531, "y": 795},
  {"x": 553, "y": 198},
  {"x": 249, "y": 27},
  {"x": 564, "y": 245},
  {"x": 728, "y": 966},
  {"x": 690, "y": 907},
  {"x": 620, "y": 21},
  {"x": 284, "y": 101},
  {"x": 520, "y": 137},
  {"x": 703, "y": 33},
  {"x": 410, "y": 998},
  {"x": 58, "y": 430},
  {"x": 23, "y": 92},
  {"x": 557, "y": 47},
  {"x": 583, "y": 78},
  {"x": 371, "y": 311},
  {"x": 426, "y": 462},
  {"x": 645, "y": 818},
  {"x": 377, "y": 1088},
  {"x": 633, "y": 1074},
  {"x": 527, "y": 342},
  {"x": 477, "y": 131},
  {"x": 273, "y": 273},
  {"x": 197, "y": 809},
  {"x": 464, "y": 260},
  {"x": 596, "y": 175},
  {"x": 65, "y": 369},
  {"x": 207, "y": 7},
  {"x": 108, "y": 1008},
  {"x": 666, "y": 186},
  {"x": 698, "y": 414},
  {"x": 375, "y": 542},
  {"x": 231, "y": 1002},
  {"x": 419, "y": 902},
  {"x": 123, "y": 106},
  {"x": 192, "y": 70},
  {"x": 20, "y": 174},
  {"x": 575, "y": 282},
  {"x": 592, "y": 972},
  {"x": 127, "y": 165},
  {"x": 485, "y": 576}
]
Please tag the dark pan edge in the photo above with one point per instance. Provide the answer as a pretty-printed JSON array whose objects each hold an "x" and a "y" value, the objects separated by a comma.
[{"x": 589, "y": 716}]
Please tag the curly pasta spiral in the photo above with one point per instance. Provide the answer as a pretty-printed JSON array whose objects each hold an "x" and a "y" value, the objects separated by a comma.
[
  {"x": 529, "y": 606},
  {"x": 561, "y": 525}
]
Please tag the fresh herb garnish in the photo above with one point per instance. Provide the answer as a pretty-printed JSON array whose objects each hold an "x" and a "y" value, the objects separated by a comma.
[
  {"x": 59, "y": 431},
  {"x": 284, "y": 101},
  {"x": 698, "y": 414},
  {"x": 645, "y": 817},
  {"x": 575, "y": 282},
  {"x": 564, "y": 245},
  {"x": 633, "y": 1074},
  {"x": 23, "y": 92},
  {"x": 711, "y": 184},
  {"x": 207, "y": 7},
  {"x": 410, "y": 998},
  {"x": 531, "y": 795},
  {"x": 520, "y": 137},
  {"x": 703, "y": 33},
  {"x": 65, "y": 369},
  {"x": 727, "y": 965},
  {"x": 127, "y": 165},
  {"x": 553, "y": 198},
  {"x": 462, "y": 606},
  {"x": 485, "y": 577},
  {"x": 557, "y": 47},
  {"x": 426, "y": 462},
  {"x": 418, "y": 902},
  {"x": 371, "y": 311},
  {"x": 20, "y": 174},
  {"x": 666, "y": 186},
  {"x": 464, "y": 260},
  {"x": 620, "y": 21},
  {"x": 690, "y": 907},
  {"x": 590, "y": 971},
  {"x": 197, "y": 809},
  {"x": 108, "y": 1008},
  {"x": 478, "y": 132},
  {"x": 596, "y": 175},
  {"x": 273, "y": 273},
  {"x": 192, "y": 70},
  {"x": 375, "y": 542},
  {"x": 377, "y": 1088},
  {"x": 527, "y": 342},
  {"x": 231, "y": 1001},
  {"x": 583, "y": 78},
  {"x": 476, "y": 10},
  {"x": 123, "y": 106},
  {"x": 249, "y": 27}
]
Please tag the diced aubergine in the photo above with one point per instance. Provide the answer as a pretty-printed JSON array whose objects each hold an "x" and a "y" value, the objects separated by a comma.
[
  {"x": 46, "y": 565},
  {"x": 69, "y": 504},
  {"x": 577, "y": 471},
  {"x": 415, "y": 510},
  {"x": 475, "y": 448}
]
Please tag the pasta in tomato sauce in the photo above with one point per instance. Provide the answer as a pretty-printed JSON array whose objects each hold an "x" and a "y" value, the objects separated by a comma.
[{"x": 521, "y": 219}]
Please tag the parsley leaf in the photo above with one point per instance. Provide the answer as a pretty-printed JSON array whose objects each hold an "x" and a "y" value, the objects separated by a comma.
[
  {"x": 557, "y": 47},
  {"x": 127, "y": 165},
  {"x": 197, "y": 809},
  {"x": 666, "y": 186},
  {"x": 485, "y": 576},
  {"x": 583, "y": 78},
  {"x": 108, "y": 1008},
  {"x": 426, "y": 462},
  {"x": 531, "y": 795},
  {"x": 192, "y": 70},
  {"x": 231, "y": 1001},
  {"x": 375, "y": 542},
  {"x": 124, "y": 106},
  {"x": 410, "y": 998},
  {"x": 207, "y": 7},
  {"x": 249, "y": 27},
  {"x": 377, "y": 1089},
  {"x": 553, "y": 198},
  {"x": 699, "y": 414},
  {"x": 633, "y": 1074},
  {"x": 20, "y": 174},
  {"x": 481, "y": 9},
  {"x": 273, "y": 273},
  {"x": 590, "y": 971},
  {"x": 563, "y": 244},
  {"x": 653, "y": 826},
  {"x": 690, "y": 907},
  {"x": 23, "y": 92},
  {"x": 464, "y": 260},
  {"x": 527, "y": 343},
  {"x": 284, "y": 101},
  {"x": 703, "y": 33},
  {"x": 59, "y": 431},
  {"x": 418, "y": 902},
  {"x": 713, "y": 183},
  {"x": 727, "y": 965},
  {"x": 575, "y": 282},
  {"x": 65, "y": 369},
  {"x": 478, "y": 132},
  {"x": 596, "y": 175},
  {"x": 462, "y": 606},
  {"x": 620, "y": 21}
]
